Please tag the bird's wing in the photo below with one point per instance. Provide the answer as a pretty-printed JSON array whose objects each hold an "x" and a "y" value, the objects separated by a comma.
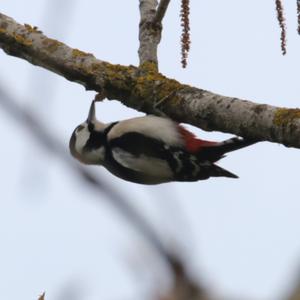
[
  {"x": 140, "y": 153},
  {"x": 162, "y": 129},
  {"x": 153, "y": 145},
  {"x": 153, "y": 158}
]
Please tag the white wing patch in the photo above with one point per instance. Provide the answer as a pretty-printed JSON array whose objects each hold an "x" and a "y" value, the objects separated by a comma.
[
  {"x": 148, "y": 165},
  {"x": 155, "y": 127}
]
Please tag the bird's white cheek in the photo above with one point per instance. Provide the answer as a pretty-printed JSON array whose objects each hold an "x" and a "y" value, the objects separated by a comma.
[{"x": 81, "y": 140}]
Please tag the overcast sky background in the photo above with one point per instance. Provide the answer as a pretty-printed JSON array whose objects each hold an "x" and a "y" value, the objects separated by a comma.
[{"x": 241, "y": 236}]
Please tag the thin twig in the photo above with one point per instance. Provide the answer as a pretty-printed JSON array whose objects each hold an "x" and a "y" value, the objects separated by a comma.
[
  {"x": 282, "y": 25},
  {"x": 298, "y": 15},
  {"x": 185, "y": 36},
  {"x": 28, "y": 121},
  {"x": 161, "y": 11},
  {"x": 42, "y": 297},
  {"x": 184, "y": 287}
]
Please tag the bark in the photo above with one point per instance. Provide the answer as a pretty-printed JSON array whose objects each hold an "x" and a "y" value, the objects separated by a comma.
[
  {"x": 147, "y": 90},
  {"x": 149, "y": 33},
  {"x": 161, "y": 11}
]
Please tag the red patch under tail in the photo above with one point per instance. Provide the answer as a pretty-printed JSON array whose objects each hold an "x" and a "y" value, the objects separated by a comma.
[{"x": 192, "y": 143}]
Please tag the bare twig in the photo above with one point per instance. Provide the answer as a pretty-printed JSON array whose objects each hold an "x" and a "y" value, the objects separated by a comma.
[
  {"x": 42, "y": 297},
  {"x": 52, "y": 145},
  {"x": 56, "y": 17},
  {"x": 161, "y": 11},
  {"x": 294, "y": 292},
  {"x": 298, "y": 15},
  {"x": 281, "y": 20},
  {"x": 184, "y": 287}
]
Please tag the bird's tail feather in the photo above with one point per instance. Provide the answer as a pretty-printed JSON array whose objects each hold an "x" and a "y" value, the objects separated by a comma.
[
  {"x": 215, "y": 152},
  {"x": 217, "y": 171},
  {"x": 235, "y": 144}
]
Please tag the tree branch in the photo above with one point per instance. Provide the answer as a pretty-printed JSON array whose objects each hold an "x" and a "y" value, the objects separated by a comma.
[
  {"x": 146, "y": 90},
  {"x": 161, "y": 11},
  {"x": 149, "y": 33}
]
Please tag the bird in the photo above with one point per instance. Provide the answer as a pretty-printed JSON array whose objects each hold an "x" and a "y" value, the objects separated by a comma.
[{"x": 150, "y": 149}]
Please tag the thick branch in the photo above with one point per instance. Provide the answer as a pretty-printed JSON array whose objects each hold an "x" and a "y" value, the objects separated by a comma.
[
  {"x": 149, "y": 33},
  {"x": 143, "y": 89}
]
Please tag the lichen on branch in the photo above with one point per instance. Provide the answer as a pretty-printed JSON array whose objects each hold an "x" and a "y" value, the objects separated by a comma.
[{"x": 143, "y": 88}]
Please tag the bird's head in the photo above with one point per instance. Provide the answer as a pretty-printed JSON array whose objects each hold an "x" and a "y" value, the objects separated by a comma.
[{"x": 87, "y": 143}]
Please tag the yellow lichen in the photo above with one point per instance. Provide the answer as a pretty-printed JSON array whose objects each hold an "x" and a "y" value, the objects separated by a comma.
[
  {"x": 20, "y": 39},
  {"x": 51, "y": 45},
  {"x": 285, "y": 116},
  {"x": 2, "y": 30},
  {"x": 118, "y": 75},
  {"x": 149, "y": 66},
  {"x": 79, "y": 53},
  {"x": 153, "y": 85},
  {"x": 94, "y": 68},
  {"x": 168, "y": 91},
  {"x": 139, "y": 83},
  {"x": 32, "y": 29}
]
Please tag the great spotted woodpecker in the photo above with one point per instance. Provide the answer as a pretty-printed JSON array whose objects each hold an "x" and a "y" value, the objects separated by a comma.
[{"x": 150, "y": 149}]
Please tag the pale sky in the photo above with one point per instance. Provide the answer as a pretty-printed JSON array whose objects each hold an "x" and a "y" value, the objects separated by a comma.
[{"x": 241, "y": 236}]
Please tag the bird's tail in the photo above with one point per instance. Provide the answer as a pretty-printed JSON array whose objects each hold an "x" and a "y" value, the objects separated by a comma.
[
  {"x": 217, "y": 151},
  {"x": 216, "y": 171},
  {"x": 234, "y": 144}
]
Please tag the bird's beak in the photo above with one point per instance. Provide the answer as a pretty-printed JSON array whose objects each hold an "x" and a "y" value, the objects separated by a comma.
[{"x": 92, "y": 113}]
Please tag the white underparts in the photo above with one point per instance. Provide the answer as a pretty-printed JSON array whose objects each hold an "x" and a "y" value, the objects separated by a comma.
[{"x": 148, "y": 165}]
